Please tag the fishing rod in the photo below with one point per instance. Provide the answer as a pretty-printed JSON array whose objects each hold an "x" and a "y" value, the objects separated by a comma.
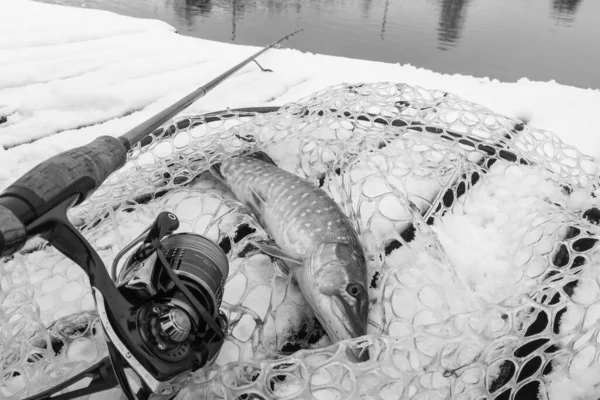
[
  {"x": 81, "y": 170},
  {"x": 161, "y": 315}
]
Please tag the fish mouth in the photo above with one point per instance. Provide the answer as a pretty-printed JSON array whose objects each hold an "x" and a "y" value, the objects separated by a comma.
[
  {"x": 358, "y": 320},
  {"x": 340, "y": 320},
  {"x": 341, "y": 316},
  {"x": 357, "y": 317},
  {"x": 343, "y": 321}
]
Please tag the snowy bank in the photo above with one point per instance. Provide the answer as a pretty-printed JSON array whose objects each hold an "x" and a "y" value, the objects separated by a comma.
[{"x": 68, "y": 75}]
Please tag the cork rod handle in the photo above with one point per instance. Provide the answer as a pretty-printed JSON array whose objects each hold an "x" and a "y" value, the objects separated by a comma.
[{"x": 78, "y": 171}]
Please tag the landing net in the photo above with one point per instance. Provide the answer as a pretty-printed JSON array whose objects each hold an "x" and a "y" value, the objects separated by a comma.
[{"x": 480, "y": 232}]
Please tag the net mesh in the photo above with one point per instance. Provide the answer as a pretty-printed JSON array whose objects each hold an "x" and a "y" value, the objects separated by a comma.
[{"x": 480, "y": 234}]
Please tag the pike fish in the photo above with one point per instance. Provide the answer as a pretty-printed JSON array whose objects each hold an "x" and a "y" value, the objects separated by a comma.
[{"x": 314, "y": 238}]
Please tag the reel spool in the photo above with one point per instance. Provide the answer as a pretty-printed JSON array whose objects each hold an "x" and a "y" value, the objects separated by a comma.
[{"x": 169, "y": 324}]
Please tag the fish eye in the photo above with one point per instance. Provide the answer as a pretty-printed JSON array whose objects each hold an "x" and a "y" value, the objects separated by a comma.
[{"x": 354, "y": 289}]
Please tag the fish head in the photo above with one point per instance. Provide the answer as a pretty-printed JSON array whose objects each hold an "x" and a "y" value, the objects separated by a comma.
[{"x": 337, "y": 275}]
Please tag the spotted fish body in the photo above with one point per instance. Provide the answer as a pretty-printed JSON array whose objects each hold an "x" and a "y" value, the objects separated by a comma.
[{"x": 309, "y": 227}]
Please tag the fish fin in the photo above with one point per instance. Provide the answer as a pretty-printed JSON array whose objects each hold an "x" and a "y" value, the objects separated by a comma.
[
  {"x": 276, "y": 252},
  {"x": 285, "y": 268},
  {"x": 261, "y": 155},
  {"x": 251, "y": 249},
  {"x": 215, "y": 170},
  {"x": 257, "y": 202}
]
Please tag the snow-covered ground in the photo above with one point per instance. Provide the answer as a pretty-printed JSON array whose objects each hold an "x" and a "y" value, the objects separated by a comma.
[
  {"x": 69, "y": 75},
  {"x": 62, "y": 69}
]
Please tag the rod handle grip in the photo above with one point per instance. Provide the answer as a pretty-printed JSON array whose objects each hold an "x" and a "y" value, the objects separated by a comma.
[{"x": 78, "y": 171}]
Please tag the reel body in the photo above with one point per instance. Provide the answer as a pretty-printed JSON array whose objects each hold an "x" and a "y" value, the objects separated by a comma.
[
  {"x": 176, "y": 281},
  {"x": 169, "y": 325},
  {"x": 161, "y": 315}
]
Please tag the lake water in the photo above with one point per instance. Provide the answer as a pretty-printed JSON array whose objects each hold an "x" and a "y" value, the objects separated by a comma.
[{"x": 503, "y": 39}]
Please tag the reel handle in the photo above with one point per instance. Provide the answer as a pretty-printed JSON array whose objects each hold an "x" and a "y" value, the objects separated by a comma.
[{"x": 165, "y": 224}]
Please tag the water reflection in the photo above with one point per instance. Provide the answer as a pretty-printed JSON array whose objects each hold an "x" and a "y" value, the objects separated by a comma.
[
  {"x": 407, "y": 31},
  {"x": 452, "y": 19},
  {"x": 564, "y": 10},
  {"x": 201, "y": 7},
  {"x": 274, "y": 7},
  {"x": 383, "y": 22},
  {"x": 366, "y": 7},
  {"x": 188, "y": 11},
  {"x": 237, "y": 9}
]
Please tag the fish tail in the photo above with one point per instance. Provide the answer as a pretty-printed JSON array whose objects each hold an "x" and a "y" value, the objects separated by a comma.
[{"x": 261, "y": 155}]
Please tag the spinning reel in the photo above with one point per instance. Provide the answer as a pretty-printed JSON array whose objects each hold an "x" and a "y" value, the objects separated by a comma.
[{"x": 160, "y": 313}]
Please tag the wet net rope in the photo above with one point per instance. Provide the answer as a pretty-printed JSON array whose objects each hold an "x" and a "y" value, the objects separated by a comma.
[{"x": 425, "y": 176}]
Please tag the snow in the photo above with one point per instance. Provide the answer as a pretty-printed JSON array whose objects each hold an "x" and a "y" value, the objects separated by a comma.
[
  {"x": 84, "y": 73},
  {"x": 482, "y": 231},
  {"x": 70, "y": 75}
]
